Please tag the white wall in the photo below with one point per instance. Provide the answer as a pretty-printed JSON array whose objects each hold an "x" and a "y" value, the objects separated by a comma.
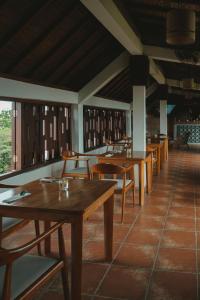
[{"x": 24, "y": 90}]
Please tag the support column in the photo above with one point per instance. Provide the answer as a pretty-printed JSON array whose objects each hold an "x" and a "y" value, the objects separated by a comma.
[
  {"x": 139, "y": 66},
  {"x": 139, "y": 118},
  {"x": 77, "y": 128},
  {"x": 163, "y": 117}
]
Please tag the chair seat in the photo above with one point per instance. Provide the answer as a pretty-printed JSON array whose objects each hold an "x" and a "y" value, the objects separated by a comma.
[
  {"x": 120, "y": 183},
  {"x": 9, "y": 222},
  {"x": 25, "y": 271},
  {"x": 81, "y": 170}
]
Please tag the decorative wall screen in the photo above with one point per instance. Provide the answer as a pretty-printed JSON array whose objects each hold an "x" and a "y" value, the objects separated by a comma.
[
  {"x": 45, "y": 132},
  {"x": 102, "y": 124},
  {"x": 194, "y": 129}
]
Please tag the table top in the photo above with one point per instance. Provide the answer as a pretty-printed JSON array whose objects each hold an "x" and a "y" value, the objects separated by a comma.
[
  {"x": 46, "y": 198},
  {"x": 133, "y": 155}
]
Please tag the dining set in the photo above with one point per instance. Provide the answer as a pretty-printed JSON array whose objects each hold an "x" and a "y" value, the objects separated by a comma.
[{"x": 72, "y": 198}]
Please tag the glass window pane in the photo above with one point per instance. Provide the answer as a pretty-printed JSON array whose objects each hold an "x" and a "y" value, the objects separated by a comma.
[{"x": 7, "y": 137}]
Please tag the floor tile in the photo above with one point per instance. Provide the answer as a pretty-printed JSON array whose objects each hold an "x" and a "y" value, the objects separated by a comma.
[
  {"x": 145, "y": 222},
  {"x": 92, "y": 274},
  {"x": 185, "y": 224},
  {"x": 144, "y": 237},
  {"x": 173, "y": 286},
  {"x": 176, "y": 259},
  {"x": 155, "y": 211},
  {"x": 136, "y": 257},
  {"x": 183, "y": 212},
  {"x": 94, "y": 250},
  {"x": 178, "y": 239},
  {"x": 124, "y": 283}
]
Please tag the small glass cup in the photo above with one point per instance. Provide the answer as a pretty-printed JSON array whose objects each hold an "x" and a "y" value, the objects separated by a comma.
[{"x": 64, "y": 184}]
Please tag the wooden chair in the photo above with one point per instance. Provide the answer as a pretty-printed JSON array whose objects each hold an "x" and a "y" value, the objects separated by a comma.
[
  {"x": 123, "y": 185},
  {"x": 21, "y": 275},
  {"x": 76, "y": 172},
  {"x": 10, "y": 225}
]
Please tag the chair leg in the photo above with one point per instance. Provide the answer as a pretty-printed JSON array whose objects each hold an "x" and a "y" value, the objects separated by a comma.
[
  {"x": 37, "y": 232},
  {"x": 133, "y": 191},
  {"x": 123, "y": 204},
  {"x": 65, "y": 284}
]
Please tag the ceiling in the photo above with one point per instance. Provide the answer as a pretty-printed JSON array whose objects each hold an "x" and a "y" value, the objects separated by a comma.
[
  {"x": 60, "y": 43},
  {"x": 53, "y": 42}
]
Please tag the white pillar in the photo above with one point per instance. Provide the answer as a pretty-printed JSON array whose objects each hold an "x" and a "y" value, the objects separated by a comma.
[
  {"x": 139, "y": 118},
  {"x": 128, "y": 123},
  {"x": 163, "y": 117},
  {"x": 77, "y": 128}
]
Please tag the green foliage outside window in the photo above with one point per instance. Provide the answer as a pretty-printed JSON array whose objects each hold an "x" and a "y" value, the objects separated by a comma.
[{"x": 5, "y": 140}]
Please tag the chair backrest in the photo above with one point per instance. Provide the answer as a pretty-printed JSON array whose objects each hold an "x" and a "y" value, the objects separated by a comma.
[
  {"x": 71, "y": 156},
  {"x": 8, "y": 257}
]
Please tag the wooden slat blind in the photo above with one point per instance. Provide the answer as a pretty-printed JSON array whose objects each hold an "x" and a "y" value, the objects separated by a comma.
[
  {"x": 30, "y": 135},
  {"x": 45, "y": 132},
  {"x": 102, "y": 124}
]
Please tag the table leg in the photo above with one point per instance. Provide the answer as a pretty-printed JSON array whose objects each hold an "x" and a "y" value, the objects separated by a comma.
[
  {"x": 166, "y": 149},
  {"x": 141, "y": 183},
  {"x": 76, "y": 267},
  {"x": 108, "y": 227},
  {"x": 158, "y": 162},
  {"x": 149, "y": 175}
]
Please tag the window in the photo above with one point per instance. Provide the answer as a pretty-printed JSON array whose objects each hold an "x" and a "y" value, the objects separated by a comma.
[
  {"x": 102, "y": 124},
  {"x": 35, "y": 134},
  {"x": 7, "y": 137}
]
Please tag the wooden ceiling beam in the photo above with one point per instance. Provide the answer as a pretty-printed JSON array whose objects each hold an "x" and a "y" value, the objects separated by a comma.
[
  {"x": 110, "y": 16},
  {"x": 165, "y": 54}
]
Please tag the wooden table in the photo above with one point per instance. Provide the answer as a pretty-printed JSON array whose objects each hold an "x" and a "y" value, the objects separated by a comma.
[
  {"x": 139, "y": 158},
  {"x": 47, "y": 203}
]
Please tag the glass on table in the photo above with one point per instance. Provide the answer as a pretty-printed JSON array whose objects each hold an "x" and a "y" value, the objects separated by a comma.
[{"x": 63, "y": 184}]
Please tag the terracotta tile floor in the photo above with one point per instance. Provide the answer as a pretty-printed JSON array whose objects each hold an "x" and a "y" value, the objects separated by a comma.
[{"x": 157, "y": 249}]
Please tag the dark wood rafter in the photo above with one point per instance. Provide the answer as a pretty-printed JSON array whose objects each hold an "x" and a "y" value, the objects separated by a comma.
[
  {"x": 103, "y": 61},
  {"x": 70, "y": 55},
  {"x": 48, "y": 27},
  {"x": 94, "y": 59},
  {"x": 77, "y": 57},
  {"x": 122, "y": 92},
  {"x": 117, "y": 86},
  {"x": 51, "y": 52},
  {"x": 25, "y": 56},
  {"x": 23, "y": 18},
  {"x": 114, "y": 82}
]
